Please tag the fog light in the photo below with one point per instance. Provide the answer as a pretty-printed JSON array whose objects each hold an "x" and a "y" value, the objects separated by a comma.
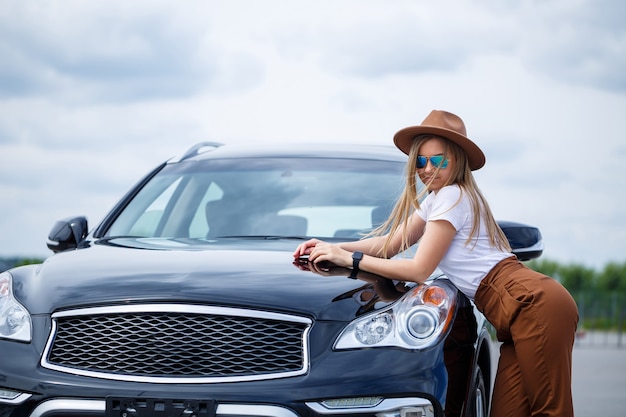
[
  {"x": 9, "y": 396},
  {"x": 352, "y": 402},
  {"x": 409, "y": 412}
]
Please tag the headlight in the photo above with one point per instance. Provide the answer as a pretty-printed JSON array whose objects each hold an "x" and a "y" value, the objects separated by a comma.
[
  {"x": 14, "y": 318},
  {"x": 418, "y": 320},
  {"x": 422, "y": 324}
]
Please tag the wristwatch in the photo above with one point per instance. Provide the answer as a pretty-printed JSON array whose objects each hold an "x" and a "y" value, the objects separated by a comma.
[{"x": 356, "y": 259}]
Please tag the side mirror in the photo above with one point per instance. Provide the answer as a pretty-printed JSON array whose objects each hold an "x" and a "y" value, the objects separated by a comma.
[
  {"x": 526, "y": 241},
  {"x": 67, "y": 234}
]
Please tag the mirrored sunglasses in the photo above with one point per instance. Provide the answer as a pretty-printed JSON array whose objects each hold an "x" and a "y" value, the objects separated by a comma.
[{"x": 438, "y": 161}]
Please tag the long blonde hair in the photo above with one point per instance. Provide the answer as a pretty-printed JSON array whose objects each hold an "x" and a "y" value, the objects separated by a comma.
[{"x": 410, "y": 199}]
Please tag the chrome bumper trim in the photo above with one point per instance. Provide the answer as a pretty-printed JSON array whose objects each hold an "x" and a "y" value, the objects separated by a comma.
[
  {"x": 62, "y": 405},
  {"x": 388, "y": 404},
  {"x": 68, "y": 405}
]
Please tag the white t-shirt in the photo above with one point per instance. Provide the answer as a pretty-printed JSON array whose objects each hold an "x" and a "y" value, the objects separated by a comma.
[{"x": 465, "y": 264}]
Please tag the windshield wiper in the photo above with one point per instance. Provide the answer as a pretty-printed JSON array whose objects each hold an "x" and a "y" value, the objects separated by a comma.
[{"x": 109, "y": 238}]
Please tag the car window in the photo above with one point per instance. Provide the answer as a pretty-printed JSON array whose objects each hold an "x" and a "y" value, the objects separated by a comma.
[{"x": 263, "y": 197}]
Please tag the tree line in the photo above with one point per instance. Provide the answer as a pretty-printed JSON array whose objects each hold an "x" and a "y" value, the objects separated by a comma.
[
  {"x": 600, "y": 295},
  {"x": 578, "y": 278}
]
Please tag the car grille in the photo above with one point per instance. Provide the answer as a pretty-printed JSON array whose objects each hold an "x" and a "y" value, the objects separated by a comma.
[{"x": 158, "y": 343}]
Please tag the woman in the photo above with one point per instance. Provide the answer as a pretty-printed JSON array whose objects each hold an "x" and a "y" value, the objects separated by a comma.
[{"x": 535, "y": 317}]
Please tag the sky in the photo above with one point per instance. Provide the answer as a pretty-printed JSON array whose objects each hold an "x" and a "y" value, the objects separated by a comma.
[{"x": 94, "y": 94}]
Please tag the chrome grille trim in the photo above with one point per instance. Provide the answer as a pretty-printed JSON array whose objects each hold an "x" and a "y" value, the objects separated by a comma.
[{"x": 185, "y": 309}]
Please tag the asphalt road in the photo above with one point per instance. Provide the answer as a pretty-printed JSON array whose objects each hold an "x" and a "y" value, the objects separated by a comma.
[{"x": 599, "y": 378}]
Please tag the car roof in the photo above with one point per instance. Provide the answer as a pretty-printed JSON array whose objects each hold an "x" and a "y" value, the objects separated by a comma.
[{"x": 213, "y": 150}]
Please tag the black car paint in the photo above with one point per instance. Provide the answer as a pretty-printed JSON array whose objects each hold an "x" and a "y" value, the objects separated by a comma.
[{"x": 236, "y": 271}]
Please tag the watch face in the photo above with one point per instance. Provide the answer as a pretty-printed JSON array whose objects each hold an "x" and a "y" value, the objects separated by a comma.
[{"x": 357, "y": 255}]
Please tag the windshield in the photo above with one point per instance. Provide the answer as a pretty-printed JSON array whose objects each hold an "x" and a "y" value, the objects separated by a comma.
[{"x": 298, "y": 197}]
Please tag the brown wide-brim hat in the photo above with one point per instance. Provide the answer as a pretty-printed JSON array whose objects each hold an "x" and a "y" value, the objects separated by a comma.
[{"x": 446, "y": 125}]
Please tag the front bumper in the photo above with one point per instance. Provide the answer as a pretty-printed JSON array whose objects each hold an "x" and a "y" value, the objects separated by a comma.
[
  {"x": 361, "y": 383},
  {"x": 409, "y": 407},
  {"x": 382, "y": 382}
]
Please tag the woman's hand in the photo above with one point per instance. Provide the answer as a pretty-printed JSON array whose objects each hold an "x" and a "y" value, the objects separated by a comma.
[
  {"x": 327, "y": 252},
  {"x": 305, "y": 248},
  {"x": 320, "y": 251},
  {"x": 321, "y": 268}
]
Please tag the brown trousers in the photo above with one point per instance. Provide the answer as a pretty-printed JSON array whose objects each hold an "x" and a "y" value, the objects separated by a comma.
[{"x": 535, "y": 319}]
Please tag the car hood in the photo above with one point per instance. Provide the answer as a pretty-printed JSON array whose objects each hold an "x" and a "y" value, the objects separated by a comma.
[{"x": 243, "y": 274}]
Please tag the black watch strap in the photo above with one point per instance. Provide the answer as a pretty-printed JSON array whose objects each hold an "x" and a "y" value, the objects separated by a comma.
[{"x": 356, "y": 259}]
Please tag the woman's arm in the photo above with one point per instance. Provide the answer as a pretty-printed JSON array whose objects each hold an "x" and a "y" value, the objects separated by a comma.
[
  {"x": 433, "y": 246},
  {"x": 372, "y": 246}
]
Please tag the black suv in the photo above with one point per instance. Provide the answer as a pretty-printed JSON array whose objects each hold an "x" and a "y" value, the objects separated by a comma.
[{"x": 186, "y": 301}]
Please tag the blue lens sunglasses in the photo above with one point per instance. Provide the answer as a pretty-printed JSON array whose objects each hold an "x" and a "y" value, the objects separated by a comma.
[{"x": 438, "y": 161}]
